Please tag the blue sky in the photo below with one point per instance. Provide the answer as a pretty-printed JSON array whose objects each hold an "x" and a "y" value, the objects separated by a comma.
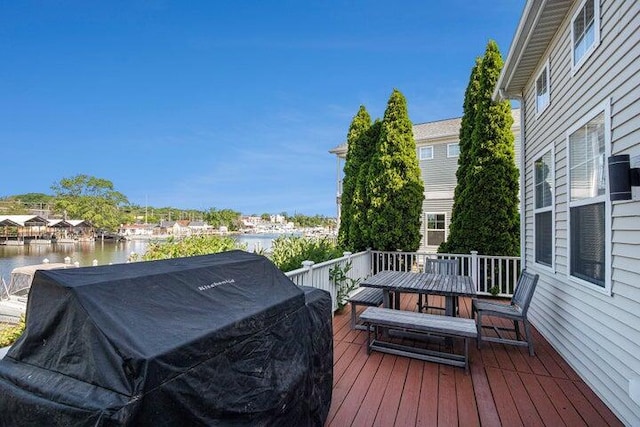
[{"x": 225, "y": 104}]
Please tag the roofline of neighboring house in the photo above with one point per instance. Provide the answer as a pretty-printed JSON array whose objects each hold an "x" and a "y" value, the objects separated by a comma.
[
  {"x": 342, "y": 148},
  {"x": 537, "y": 19}
]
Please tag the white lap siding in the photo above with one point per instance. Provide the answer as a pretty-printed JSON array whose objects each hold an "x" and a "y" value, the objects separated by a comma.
[{"x": 597, "y": 333}]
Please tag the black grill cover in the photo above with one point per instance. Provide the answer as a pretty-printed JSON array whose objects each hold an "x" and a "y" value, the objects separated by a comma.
[{"x": 223, "y": 339}]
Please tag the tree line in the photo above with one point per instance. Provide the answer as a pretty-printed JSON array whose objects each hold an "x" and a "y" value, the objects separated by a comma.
[{"x": 96, "y": 200}]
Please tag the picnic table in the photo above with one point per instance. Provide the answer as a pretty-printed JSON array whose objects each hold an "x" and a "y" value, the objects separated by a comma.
[{"x": 447, "y": 285}]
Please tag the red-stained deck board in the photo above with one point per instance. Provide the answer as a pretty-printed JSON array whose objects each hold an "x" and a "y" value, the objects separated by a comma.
[
  {"x": 505, "y": 386},
  {"x": 588, "y": 413},
  {"x": 563, "y": 405},
  {"x": 427, "y": 414},
  {"x": 447, "y": 402},
  {"x": 391, "y": 399},
  {"x": 350, "y": 405},
  {"x": 410, "y": 398},
  {"x": 502, "y": 396},
  {"x": 541, "y": 401},
  {"x": 369, "y": 408},
  {"x": 523, "y": 403},
  {"x": 467, "y": 408}
]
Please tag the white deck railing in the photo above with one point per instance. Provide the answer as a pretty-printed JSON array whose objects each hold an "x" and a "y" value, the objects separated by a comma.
[
  {"x": 492, "y": 275},
  {"x": 495, "y": 275},
  {"x": 317, "y": 275}
]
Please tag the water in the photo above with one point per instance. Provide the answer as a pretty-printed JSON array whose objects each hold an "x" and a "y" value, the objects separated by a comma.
[{"x": 106, "y": 252}]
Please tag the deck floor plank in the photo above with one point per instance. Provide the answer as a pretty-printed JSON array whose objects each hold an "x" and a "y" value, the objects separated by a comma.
[
  {"x": 429, "y": 389},
  {"x": 369, "y": 408},
  {"x": 523, "y": 403},
  {"x": 410, "y": 399},
  {"x": 391, "y": 400},
  {"x": 447, "y": 402},
  {"x": 467, "y": 408},
  {"x": 505, "y": 386},
  {"x": 563, "y": 405},
  {"x": 580, "y": 403},
  {"x": 504, "y": 401},
  {"x": 351, "y": 404},
  {"x": 541, "y": 401}
]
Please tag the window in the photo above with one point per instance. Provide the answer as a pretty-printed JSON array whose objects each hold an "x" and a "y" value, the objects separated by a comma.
[
  {"x": 544, "y": 209},
  {"x": 453, "y": 150},
  {"x": 589, "y": 218},
  {"x": 542, "y": 90},
  {"x": 426, "y": 153},
  {"x": 435, "y": 228},
  {"x": 585, "y": 31}
]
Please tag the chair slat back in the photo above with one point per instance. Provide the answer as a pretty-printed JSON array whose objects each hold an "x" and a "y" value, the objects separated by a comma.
[
  {"x": 441, "y": 266},
  {"x": 524, "y": 291}
]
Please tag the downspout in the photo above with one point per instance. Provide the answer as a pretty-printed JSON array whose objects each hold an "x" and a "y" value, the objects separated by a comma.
[{"x": 523, "y": 258}]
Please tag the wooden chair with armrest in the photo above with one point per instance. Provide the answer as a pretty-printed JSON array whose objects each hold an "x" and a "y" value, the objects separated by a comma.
[{"x": 515, "y": 311}]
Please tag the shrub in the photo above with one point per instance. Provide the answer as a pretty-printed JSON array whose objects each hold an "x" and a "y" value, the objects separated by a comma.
[
  {"x": 189, "y": 246},
  {"x": 11, "y": 333},
  {"x": 343, "y": 283},
  {"x": 288, "y": 252}
]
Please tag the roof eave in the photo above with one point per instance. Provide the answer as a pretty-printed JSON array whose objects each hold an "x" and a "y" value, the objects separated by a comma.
[
  {"x": 518, "y": 45},
  {"x": 539, "y": 22}
]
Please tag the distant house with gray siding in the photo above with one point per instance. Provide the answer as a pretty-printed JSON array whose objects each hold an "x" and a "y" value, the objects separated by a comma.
[
  {"x": 437, "y": 150},
  {"x": 575, "y": 66}
]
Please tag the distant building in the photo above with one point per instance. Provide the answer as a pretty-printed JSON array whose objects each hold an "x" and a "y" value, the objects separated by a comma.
[{"x": 437, "y": 150}]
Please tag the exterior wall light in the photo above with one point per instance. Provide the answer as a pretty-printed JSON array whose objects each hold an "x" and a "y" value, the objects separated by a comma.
[{"x": 622, "y": 177}]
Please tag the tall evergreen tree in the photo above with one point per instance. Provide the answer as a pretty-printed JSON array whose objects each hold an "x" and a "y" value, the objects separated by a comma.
[
  {"x": 395, "y": 188},
  {"x": 354, "y": 162},
  {"x": 458, "y": 229},
  {"x": 488, "y": 220},
  {"x": 359, "y": 235}
]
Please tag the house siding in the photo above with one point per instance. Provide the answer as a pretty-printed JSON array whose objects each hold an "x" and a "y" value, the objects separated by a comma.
[{"x": 598, "y": 334}]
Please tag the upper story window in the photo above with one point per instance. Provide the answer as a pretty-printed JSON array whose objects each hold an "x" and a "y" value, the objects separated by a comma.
[
  {"x": 589, "y": 210},
  {"x": 585, "y": 31},
  {"x": 426, "y": 153},
  {"x": 544, "y": 209},
  {"x": 542, "y": 90},
  {"x": 453, "y": 150}
]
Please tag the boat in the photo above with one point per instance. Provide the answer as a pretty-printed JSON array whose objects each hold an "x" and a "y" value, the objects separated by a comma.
[{"x": 13, "y": 297}]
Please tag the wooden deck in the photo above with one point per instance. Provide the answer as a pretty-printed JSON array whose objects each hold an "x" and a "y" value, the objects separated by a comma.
[{"x": 505, "y": 387}]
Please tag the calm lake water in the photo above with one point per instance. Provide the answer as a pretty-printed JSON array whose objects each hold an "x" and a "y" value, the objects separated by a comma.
[{"x": 104, "y": 252}]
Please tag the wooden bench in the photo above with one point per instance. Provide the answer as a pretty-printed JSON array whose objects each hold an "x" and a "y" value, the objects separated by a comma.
[
  {"x": 370, "y": 297},
  {"x": 418, "y": 324}
]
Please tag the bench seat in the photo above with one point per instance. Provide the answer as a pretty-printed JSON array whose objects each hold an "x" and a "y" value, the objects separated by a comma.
[
  {"x": 418, "y": 324},
  {"x": 370, "y": 297}
]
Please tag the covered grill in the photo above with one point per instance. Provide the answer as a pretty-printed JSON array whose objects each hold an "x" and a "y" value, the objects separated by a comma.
[{"x": 207, "y": 340}]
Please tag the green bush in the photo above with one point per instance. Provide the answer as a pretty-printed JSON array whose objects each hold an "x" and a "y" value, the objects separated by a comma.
[
  {"x": 9, "y": 334},
  {"x": 189, "y": 246},
  {"x": 288, "y": 252},
  {"x": 343, "y": 283}
]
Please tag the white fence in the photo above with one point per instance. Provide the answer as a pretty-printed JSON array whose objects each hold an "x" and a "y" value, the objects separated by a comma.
[
  {"x": 492, "y": 275},
  {"x": 317, "y": 275}
]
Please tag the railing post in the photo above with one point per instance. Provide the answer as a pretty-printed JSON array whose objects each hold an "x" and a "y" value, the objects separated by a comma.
[
  {"x": 309, "y": 266},
  {"x": 475, "y": 268}
]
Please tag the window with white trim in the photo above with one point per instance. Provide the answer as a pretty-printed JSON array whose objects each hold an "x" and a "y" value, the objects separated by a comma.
[
  {"x": 426, "y": 153},
  {"x": 585, "y": 31},
  {"x": 453, "y": 150},
  {"x": 589, "y": 218},
  {"x": 435, "y": 228},
  {"x": 543, "y": 211},
  {"x": 542, "y": 90}
]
